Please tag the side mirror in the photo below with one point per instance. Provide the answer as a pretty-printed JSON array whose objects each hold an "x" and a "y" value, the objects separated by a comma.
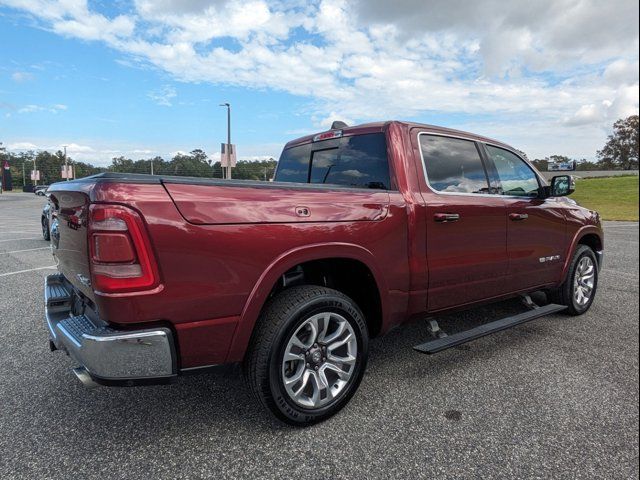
[{"x": 562, "y": 185}]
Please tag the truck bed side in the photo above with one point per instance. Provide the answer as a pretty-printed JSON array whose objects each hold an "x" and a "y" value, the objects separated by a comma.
[{"x": 212, "y": 261}]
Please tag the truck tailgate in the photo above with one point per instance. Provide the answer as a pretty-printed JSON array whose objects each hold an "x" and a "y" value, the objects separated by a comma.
[
  {"x": 69, "y": 238},
  {"x": 233, "y": 204}
]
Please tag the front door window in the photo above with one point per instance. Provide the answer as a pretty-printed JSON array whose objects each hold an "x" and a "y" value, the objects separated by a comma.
[{"x": 516, "y": 177}]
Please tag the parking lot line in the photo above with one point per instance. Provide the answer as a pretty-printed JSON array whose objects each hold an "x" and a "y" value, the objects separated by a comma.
[
  {"x": 26, "y": 250},
  {"x": 25, "y": 271}
]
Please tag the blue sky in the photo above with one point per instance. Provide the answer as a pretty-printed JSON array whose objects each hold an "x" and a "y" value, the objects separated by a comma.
[{"x": 145, "y": 78}]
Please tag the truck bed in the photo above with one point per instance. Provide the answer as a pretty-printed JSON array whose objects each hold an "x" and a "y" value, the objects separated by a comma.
[{"x": 218, "y": 243}]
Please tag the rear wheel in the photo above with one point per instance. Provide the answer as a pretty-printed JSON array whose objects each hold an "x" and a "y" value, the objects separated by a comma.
[
  {"x": 308, "y": 354},
  {"x": 579, "y": 288}
]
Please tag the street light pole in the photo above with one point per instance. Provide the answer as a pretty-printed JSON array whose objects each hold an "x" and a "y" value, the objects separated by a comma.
[
  {"x": 66, "y": 164},
  {"x": 228, "y": 168}
]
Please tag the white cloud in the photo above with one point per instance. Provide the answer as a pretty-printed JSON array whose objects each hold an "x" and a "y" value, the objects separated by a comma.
[
  {"x": 22, "y": 146},
  {"x": 538, "y": 35},
  {"x": 163, "y": 96},
  {"x": 178, "y": 152},
  {"x": 545, "y": 66},
  {"x": 333, "y": 116},
  {"x": 586, "y": 114},
  {"x": 75, "y": 148},
  {"x": 203, "y": 21},
  {"x": 21, "y": 77},
  {"x": 53, "y": 147},
  {"x": 32, "y": 108},
  {"x": 96, "y": 27},
  {"x": 621, "y": 72},
  {"x": 623, "y": 104},
  {"x": 99, "y": 155},
  {"x": 73, "y": 18}
]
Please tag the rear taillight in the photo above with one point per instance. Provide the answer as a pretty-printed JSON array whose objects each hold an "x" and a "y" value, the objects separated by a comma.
[{"x": 120, "y": 252}]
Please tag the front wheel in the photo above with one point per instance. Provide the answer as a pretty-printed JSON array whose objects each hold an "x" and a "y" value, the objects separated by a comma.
[
  {"x": 308, "y": 354},
  {"x": 579, "y": 288}
]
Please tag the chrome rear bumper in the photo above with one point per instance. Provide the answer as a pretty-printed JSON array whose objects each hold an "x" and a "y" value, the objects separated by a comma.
[{"x": 109, "y": 356}]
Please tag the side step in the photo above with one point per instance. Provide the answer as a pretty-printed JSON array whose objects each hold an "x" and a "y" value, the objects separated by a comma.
[{"x": 442, "y": 343}]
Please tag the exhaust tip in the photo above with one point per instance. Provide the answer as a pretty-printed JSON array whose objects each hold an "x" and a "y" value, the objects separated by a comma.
[{"x": 84, "y": 377}]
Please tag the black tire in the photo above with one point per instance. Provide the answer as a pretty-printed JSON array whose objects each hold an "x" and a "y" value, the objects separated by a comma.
[
  {"x": 277, "y": 324},
  {"x": 45, "y": 229},
  {"x": 564, "y": 295}
]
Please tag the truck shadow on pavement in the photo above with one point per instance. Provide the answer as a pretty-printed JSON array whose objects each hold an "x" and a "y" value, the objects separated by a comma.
[{"x": 197, "y": 403}]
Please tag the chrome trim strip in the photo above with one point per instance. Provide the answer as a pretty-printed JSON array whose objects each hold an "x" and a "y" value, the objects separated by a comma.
[
  {"x": 461, "y": 194},
  {"x": 424, "y": 166}
]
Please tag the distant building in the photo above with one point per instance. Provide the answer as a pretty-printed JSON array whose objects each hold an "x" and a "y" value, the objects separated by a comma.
[{"x": 562, "y": 166}]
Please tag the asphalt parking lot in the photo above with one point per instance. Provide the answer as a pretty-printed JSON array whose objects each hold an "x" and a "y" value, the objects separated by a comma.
[{"x": 557, "y": 397}]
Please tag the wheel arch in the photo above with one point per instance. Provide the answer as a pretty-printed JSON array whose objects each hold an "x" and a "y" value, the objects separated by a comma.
[
  {"x": 592, "y": 241},
  {"x": 289, "y": 260},
  {"x": 590, "y": 236}
]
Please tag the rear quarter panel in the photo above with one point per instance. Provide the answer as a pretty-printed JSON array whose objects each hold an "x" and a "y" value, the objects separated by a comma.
[{"x": 210, "y": 272}]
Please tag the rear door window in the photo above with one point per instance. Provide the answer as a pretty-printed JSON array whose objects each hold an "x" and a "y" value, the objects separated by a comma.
[
  {"x": 453, "y": 165},
  {"x": 358, "y": 161}
]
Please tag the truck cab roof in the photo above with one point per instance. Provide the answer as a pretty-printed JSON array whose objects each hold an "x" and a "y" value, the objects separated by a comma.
[{"x": 374, "y": 127}]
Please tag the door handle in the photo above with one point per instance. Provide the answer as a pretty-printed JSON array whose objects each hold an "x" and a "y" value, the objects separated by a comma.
[
  {"x": 518, "y": 217},
  {"x": 446, "y": 217}
]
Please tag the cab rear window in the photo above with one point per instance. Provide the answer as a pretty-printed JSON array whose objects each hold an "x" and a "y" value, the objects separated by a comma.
[{"x": 358, "y": 161}]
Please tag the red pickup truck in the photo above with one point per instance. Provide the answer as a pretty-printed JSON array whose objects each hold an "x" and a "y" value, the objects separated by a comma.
[{"x": 363, "y": 229}]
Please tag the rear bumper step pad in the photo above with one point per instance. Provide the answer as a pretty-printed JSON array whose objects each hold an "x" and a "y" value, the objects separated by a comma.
[{"x": 57, "y": 296}]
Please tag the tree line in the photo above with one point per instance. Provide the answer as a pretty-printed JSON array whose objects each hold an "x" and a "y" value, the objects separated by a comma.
[
  {"x": 193, "y": 164},
  {"x": 619, "y": 153}
]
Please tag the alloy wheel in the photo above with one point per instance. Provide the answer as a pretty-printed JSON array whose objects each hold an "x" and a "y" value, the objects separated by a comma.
[
  {"x": 584, "y": 281},
  {"x": 319, "y": 360}
]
